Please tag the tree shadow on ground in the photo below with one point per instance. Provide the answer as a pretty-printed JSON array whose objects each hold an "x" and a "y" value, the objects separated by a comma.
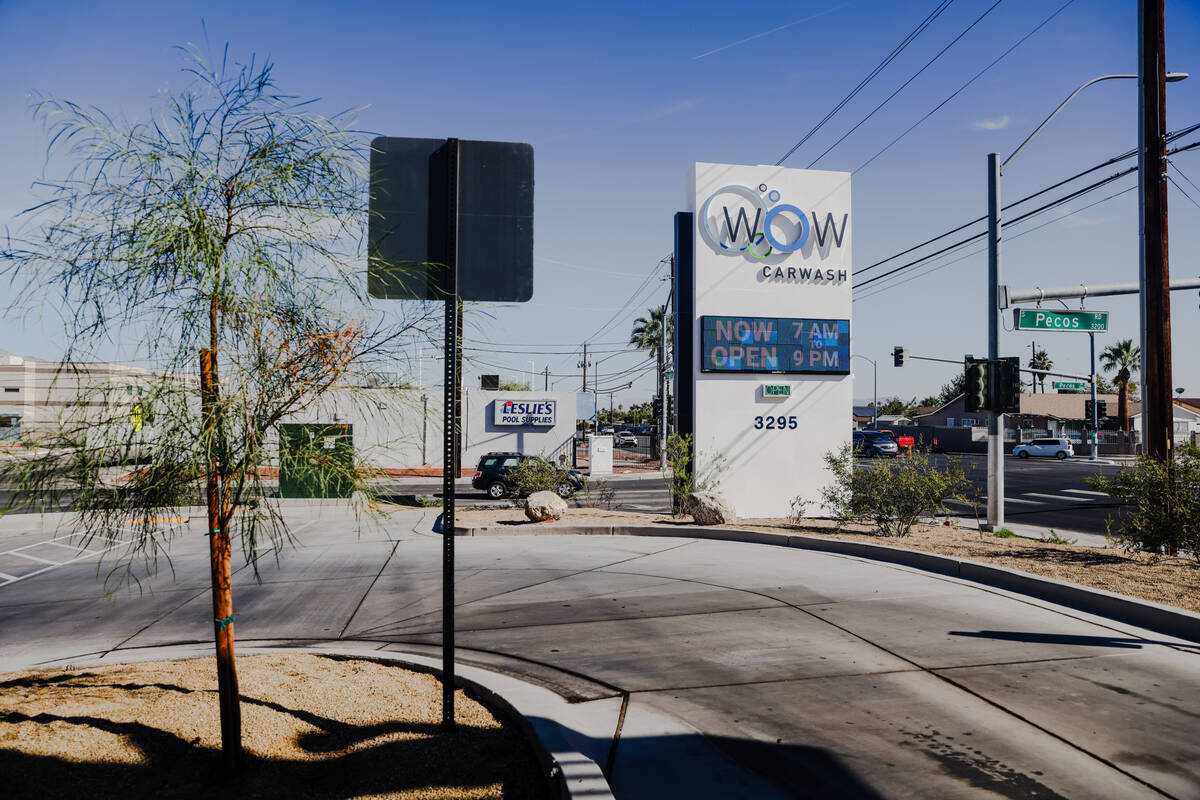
[
  {"x": 1061, "y": 556},
  {"x": 440, "y": 764},
  {"x": 1122, "y": 642}
]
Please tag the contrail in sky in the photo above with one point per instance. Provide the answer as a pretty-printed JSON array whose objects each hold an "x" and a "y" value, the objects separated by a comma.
[{"x": 768, "y": 33}]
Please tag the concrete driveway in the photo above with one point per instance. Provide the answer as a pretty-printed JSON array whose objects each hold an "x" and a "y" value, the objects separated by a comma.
[{"x": 708, "y": 669}]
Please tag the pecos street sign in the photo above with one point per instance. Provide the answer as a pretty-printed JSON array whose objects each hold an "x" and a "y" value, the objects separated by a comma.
[{"x": 1041, "y": 319}]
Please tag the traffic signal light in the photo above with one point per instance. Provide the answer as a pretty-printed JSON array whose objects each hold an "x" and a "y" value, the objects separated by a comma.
[
  {"x": 657, "y": 407},
  {"x": 1006, "y": 385},
  {"x": 975, "y": 377},
  {"x": 1089, "y": 411},
  {"x": 899, "y": 356},
  {"x": 1102, "y": 408},
  {"x": 670, "y": 407}
]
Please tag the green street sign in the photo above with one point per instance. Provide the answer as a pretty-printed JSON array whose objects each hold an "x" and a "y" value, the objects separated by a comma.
[
  {"x": 1043, "y": 319},
  {"x": 777, "y": 390},
  {"x": 1070, "y": 385}
]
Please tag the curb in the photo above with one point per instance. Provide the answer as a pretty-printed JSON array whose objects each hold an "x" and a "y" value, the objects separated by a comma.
[
  {"x": 1141, "y": 613},
  {"x": 568, "y": 774}
]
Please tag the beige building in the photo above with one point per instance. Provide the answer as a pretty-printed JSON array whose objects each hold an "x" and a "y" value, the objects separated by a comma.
[{"x": 37, "y": 395}]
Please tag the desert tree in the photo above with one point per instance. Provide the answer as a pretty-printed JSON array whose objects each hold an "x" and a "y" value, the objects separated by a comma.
[{"x": 219, "y": 242}]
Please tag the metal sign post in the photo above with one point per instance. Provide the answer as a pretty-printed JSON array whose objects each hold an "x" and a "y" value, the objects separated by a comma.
[
  {"x": 420, "y": 249},
  {"x": 449, "y": 420}
]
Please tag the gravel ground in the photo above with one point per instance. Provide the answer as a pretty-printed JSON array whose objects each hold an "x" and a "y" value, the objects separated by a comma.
[
  {"x": 1171, "y": 581},
  {"x": 313, "y": 727}
]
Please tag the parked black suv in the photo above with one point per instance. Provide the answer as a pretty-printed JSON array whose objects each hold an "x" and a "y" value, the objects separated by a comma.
[{"x": 492, "y": 473}]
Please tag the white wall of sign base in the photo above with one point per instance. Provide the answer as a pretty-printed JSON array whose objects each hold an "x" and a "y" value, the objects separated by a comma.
[
  {"x": 482, "y": 434},
  {"x": 741, "y": 273}
]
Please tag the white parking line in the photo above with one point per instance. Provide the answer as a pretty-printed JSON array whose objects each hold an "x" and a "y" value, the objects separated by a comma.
[
  {"x": 19, "y": 554},
  {"x": 83, "y": 554},
  {"x": 1060, "y": 497},
  {"x": 70, "y": 547},
  {"x": 1087, "y": 492}
]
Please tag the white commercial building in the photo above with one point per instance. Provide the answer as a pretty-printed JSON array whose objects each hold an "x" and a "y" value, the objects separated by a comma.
[
  {"x": 533, "y": 423},
  {"x": 39, "y": 397}
]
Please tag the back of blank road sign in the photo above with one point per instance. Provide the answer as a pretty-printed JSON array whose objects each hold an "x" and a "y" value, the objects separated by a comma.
[{"x": 406, "y": 232}]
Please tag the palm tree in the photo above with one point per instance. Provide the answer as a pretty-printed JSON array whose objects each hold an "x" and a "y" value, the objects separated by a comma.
[
  {"x": 1122, "y": 358},
  {"x": 1041, "y": 360},
  {"x": 647, "y": 331}
]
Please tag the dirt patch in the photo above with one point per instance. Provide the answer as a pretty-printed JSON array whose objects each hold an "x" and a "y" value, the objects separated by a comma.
[
  {"x": 1171, "y": 581},
  {"x": 313, "y": 727}
]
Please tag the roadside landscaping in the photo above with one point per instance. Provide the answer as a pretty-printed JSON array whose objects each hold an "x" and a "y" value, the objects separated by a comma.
[
  {"x": 1171, "y": 580},
  {"x": 316, "y": 727}
]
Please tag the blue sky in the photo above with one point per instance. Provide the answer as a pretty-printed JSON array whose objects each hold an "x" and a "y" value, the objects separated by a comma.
[{"x": 619, "y": 99}]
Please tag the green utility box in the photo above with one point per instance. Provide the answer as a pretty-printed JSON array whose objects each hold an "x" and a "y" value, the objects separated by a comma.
[{"x": 316, "y": 460}]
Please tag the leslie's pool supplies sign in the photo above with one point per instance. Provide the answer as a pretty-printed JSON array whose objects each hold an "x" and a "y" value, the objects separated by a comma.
[{"x": 523, "y": 412}]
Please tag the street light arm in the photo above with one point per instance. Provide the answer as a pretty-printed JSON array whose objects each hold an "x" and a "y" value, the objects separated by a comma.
[{"x": 1055, "y": 113}]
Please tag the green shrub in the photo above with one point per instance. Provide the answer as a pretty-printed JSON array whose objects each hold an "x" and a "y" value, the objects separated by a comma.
[
  {"x": 597, "y": 494},
  {"x": 682, "y": 479},
  {"x": 1005, "y": 533},
  {"x": 1054, "y": 538},
  {"x": 892, "y": 495},
  {"x": 534, "y": 475},
  {"x": 1165, "y": 501}
]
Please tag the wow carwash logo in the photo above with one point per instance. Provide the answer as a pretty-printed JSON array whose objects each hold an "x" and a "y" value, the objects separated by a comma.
[{"x": 776, "y": 227}]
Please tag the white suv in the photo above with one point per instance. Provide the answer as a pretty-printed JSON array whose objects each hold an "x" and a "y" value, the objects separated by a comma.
[{"x": 1059, "y": 448}]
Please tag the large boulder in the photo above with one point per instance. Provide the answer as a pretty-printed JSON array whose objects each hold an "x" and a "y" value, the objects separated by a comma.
[
  {"x": 709, "y": 509},
  {"x": 542, "y": 506}
]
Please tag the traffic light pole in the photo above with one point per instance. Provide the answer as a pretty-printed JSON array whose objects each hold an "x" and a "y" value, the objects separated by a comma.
[{"x": 995, "y": 454}]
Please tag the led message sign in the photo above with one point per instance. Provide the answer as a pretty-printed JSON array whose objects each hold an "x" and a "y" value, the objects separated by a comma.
[{"x": 775, "y": 344}]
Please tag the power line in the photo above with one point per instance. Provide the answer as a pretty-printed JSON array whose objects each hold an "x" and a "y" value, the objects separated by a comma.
[
  {"x": 1013, "y": 204},
  {"x": 1170, "y": 137},
  {"x": 925, "y": 23},
  {"x": 1026, "y": 215},
  {"x": 1182, "y": 191},
  {"x": 1114, "y": 160},
  {"x": 636, "y": 292},
  {"x": 1183, "y": 175},
  {"x": 568, "y": 352},
  {"x": 960, "y": 89},
  {"x": 883, "y": 289},
  {"x": 904, "y": 85}
]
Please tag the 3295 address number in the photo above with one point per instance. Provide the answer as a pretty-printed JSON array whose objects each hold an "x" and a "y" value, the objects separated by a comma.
[{"x": 775, "y": 423}]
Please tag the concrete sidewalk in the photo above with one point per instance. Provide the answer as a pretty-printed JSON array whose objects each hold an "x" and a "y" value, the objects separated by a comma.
[{"x": 744, "y": 670}]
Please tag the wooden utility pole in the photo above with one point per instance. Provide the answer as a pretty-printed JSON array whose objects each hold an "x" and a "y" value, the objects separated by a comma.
[
  {"x": 219, "y": 559},
  {"x": 1157, "y": 414}
]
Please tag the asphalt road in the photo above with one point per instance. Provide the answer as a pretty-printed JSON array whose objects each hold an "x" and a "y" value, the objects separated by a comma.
[
  {"x": 1042, "y": 492},
  {"x": 739, "y": 670}
]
